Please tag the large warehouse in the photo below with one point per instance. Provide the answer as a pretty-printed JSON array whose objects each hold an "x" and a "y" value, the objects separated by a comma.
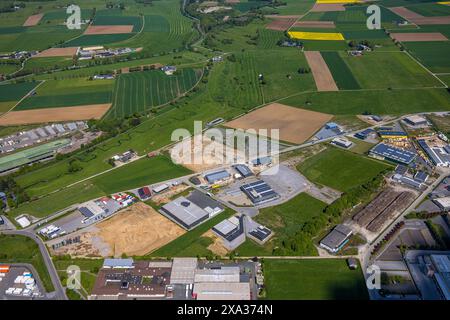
[
  {"x": 259, "y": 192},
  {"x": 387, "y": 152},
  {"x": 337, "y": 238}
]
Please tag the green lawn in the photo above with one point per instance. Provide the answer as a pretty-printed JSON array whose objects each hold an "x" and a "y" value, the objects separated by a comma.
[
  {"x": 339, "y": 169},
  {"x": 20, "y": 249},
  {"x": 317, "y": 279},
  {"x": 434, "y": 54},
  {"x": 192, "y": 243}
]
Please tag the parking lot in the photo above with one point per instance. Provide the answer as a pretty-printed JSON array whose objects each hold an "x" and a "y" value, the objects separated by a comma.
[{"x": 8, "y": 282}]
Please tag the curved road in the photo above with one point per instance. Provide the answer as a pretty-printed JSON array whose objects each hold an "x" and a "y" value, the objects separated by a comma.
[{"x": 59, "y": 293}]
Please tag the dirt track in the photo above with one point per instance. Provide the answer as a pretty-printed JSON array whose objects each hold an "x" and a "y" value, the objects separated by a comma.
[
  {"x": 322, "y": 75},
  {"x": 419, "y": 19},
  {"x": 425, "y": 36},
  {"x": 315, "y": 24},
  {"x": 86, "y": 112},
  {"x": 118, "y": 29},
  {"x": 57, "y": 52},
  {"x": 33, "y": 20},
  {"x": 327, "y": 7},
  {"x": 295, "y": 125}
]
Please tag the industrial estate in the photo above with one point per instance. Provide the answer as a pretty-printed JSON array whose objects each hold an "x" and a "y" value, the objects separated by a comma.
[{"x": 349, "y": 200}]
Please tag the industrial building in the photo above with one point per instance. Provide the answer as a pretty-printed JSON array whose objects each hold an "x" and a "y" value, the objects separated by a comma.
[
  {"x": 337, "y": 238},
  {"x": 217, "y": 176},
  {"x": 440, "y": 157},
  {"x": 222, "y": 291},
  {"x": 243, "y": 170},
  {"x": 441, "y": 275},
  {"x": 363, "y": 135},
  {"x": 342, "y": 142},
  {"x": 183, "y": 270},
  {"x": 443, "y": 203},
  {"x": 184, "y": 212},
  {"x": 421, "y": 176},
  {"x": 416, "y": 120},
  {"x": 410, "y": 182},
  {"x": 211, "y": 206},
  {"x": 119, "y": 280},
  {"x": 260, "y": 234},
  {"x": 397, "y": 135},
  {"x": 387, "y": 152},
  {"x": 224, "y": 274},
  {"x": 231, "y": 231},
  {"x": 259, "y": 192}
]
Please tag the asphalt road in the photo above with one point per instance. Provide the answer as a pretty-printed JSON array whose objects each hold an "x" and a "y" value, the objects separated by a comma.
[{"x": 59, "y": 293}]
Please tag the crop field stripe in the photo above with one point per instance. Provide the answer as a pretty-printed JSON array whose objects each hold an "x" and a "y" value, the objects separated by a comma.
[{"x": 340, "y": 71}]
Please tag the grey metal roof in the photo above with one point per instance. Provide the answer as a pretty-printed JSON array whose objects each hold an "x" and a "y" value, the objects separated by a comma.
[
  {"x": 115, "y": 263},
  {"x": 184, "y": 212},
  {"x": 217, "y": 176},
  {"x": 336, "y": 238}
]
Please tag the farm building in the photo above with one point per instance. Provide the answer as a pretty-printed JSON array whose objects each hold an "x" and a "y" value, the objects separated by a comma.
[
  {"x": 231, "y": 231},
  {"x": 337, "y": 238},
  {"x": 342, "y": 142},
  {"x": 184, "y": 212},
  {"x": 416, "y": 120},
  {"x": 387, "y": 152},
  {"x": 439, "y": 156},
  {"x": 217, "y": 176},
  {"x": 259, "y": 192},
  {"x": 169, "y": 70}
]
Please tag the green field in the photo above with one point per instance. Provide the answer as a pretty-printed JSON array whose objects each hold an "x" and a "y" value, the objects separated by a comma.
[
  {"x": 285, "y": 220},
  {"x": 21, "y": 249},
  {"x": 139, "y": 91},
  {"x": 430, "y": 9},
  {"x": 192, "y": 244},
  {"x": 339, "y": 169},
  {"x": 376, "y": 70},
  {"x": 316, "y": 279},
  {"x": 393, "y": 102},
  {"x": 341, "y": 73},
  {"x": 15, "y": 91},
  {"x": 434, "y": 54},
  {"x": 112, "y": 20}
]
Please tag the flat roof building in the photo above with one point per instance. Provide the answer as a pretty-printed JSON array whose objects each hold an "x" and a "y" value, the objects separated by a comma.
[
  {"x": 443, "y": 203},
  {"x": 260, "y": 234},
  {"x": 259, "y": 192},
  {"x": 183, "y": 270},
  {"x": 337, "y": 238},
  {"x": 341, "y": 142},
  {"x": 222, "y": 291},
  {"x": 391, "y": 153},
  {"x": 211, "y": 206},
  {"x": 224, "y": 274},
  {"x": 118, "y": 263},
  {"x": 442, "y": 274},
  {"x": 438, "y": 156},
  {"x": 184, "y": 212},
  {"x": 416, "y": 120},
  {"x": 231, "y": 231},
  {"x": 217, "y": 176},
  {"x": 243, "y": 170},
  {"x": 393, "y": 134}
]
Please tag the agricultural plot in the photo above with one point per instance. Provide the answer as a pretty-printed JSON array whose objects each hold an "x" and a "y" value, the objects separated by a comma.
[
  {"x": 295, "y": 7},
  {"x": 375, "y": 70},
  {"x": 16, "y": 91},
  {"x": 383, "y": 101},
  {"x": 340, "y": 71},
  {"x": 430, "y": 9},
  {"x": 322, "y": 75},
  {"x": 434, "y": 55},
  {"x": 321, "y": 279},
  {"x": 139, "y": 91},
  {"x": 341, "y": 170}
]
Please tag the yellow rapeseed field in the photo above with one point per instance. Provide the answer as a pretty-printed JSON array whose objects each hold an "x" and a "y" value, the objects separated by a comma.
[
  {"x": 444, "y": 2},
  {"x": 315, "y": 35}
]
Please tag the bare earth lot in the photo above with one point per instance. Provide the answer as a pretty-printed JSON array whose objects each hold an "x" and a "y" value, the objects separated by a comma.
[
  {"x": 425, "y": 36},
  {"x": 328, "y": 7},
  {"x": 281, "y": 24},
  {"x": 322, "y": 75},
  {"x": 315, "y": 24},
  {"x": 136, "y": 230},
  {"x": 109, "y": 29},
  {"x": 419, "y": 19},
  {"x": 57, "y": 52},
  {"x": 33, "y": 20},
  {"x": 95, "y": 111},
  {"x": 296, "y": 125}
]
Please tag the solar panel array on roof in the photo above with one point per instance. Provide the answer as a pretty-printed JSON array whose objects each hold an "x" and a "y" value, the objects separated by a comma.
[
  {"x": 421, "y": 176},
  {"x": 393, "y": 153},
  {"x": 229, "y": 230},
  {"x": 259, "y": 192},
  {"x": 261, "y": 233},
  {"x": 86, "y": 212},
  {"x": 435, "y": 154}
]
